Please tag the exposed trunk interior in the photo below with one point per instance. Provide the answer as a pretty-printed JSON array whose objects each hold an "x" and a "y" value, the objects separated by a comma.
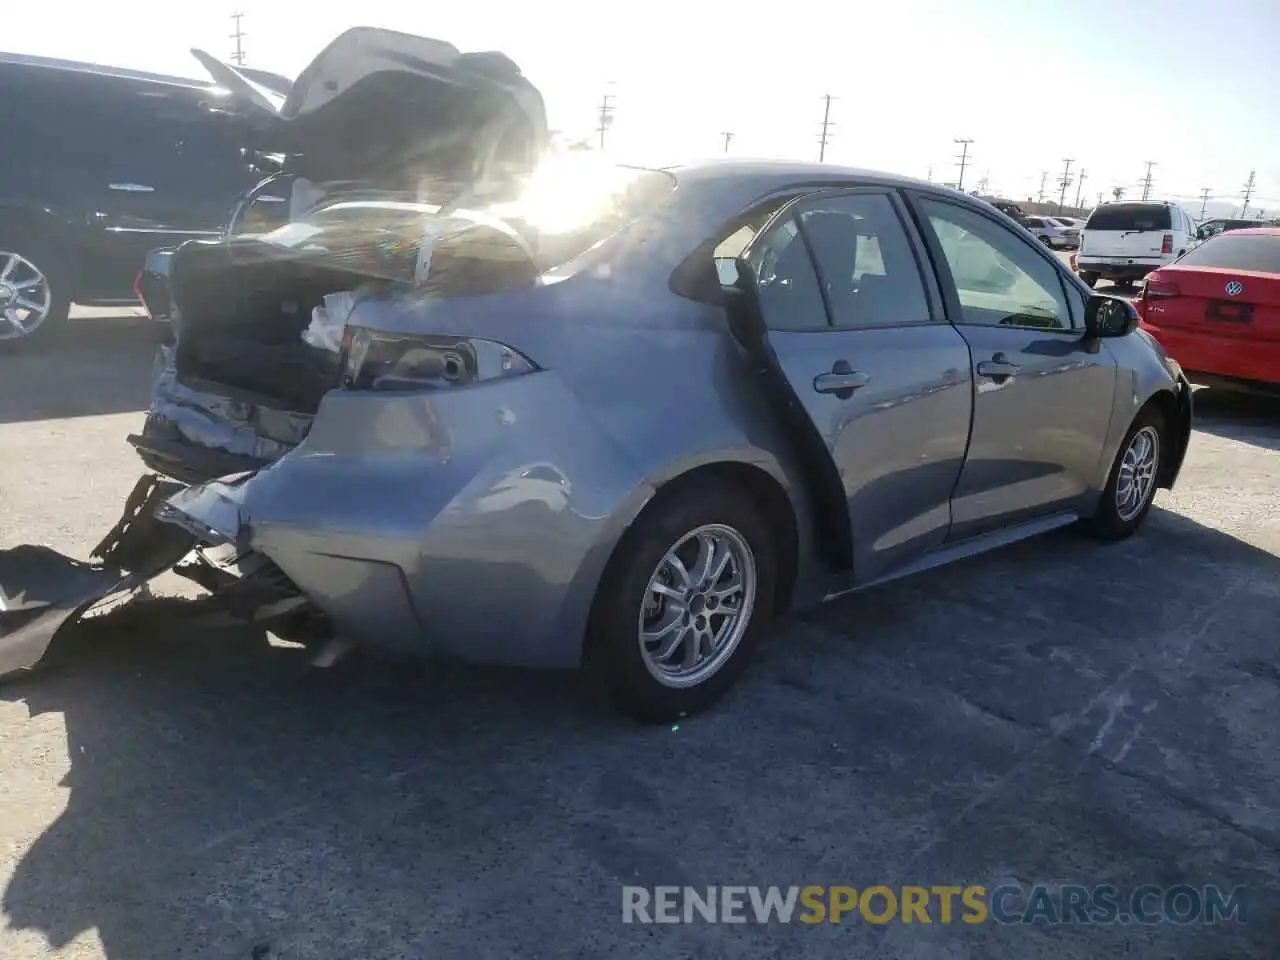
[{"x": 243, "y": 311}]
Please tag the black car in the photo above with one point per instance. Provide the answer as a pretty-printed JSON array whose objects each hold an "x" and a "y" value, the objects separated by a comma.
[
  {"x": 119, "y": 162},
  {"x": 1211, "y": 228}
]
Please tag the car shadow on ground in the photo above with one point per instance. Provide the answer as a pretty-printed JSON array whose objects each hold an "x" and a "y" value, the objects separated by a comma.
[
  {"x": 1056, "y": 712},
  {"x": 1239, "y": 416},
  {"x": 93, "y": 366}
]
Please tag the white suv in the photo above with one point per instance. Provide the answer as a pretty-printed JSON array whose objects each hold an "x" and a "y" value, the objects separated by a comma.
[{"x": 1125, "y": 241}]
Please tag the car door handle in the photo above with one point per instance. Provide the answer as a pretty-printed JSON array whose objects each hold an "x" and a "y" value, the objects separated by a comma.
[
  {"x": 132, "y": 188},
  {"x": 997, "y": 368},
  {"x": 840, "y": 381}
]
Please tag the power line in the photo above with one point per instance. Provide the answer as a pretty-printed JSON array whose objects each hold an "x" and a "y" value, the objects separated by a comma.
[
  {"x": 238, "y": 36},
  {"x": 1204, "y": 200},
  {"x": 728, "y": 139},
  {"x": 1064, "y": 181},
  {"x": 963, "y": 158},
  {"x": 1248, "y": 191},
  {"x": 825, "y": 136},
  {"x": 1080, "y": 186},
  {"x": 1146, "y": 181},
  {"x": 605, "y": 117}
]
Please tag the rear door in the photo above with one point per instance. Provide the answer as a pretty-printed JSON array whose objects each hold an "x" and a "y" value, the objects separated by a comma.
[
  {"x": 170, "y": 170},
  {"x": 1129, "y": 233},
  {"x": 856, "y": 325},
  {"x": 1042, "y": 397}
]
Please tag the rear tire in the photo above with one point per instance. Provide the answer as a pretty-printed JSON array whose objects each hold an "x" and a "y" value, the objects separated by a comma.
[
  {"x": 711, "y": 646},
  {"x": 1090, "y": 279},
  {"x": 1131, "y": 485},
  {"x": 37, "y": 273}
]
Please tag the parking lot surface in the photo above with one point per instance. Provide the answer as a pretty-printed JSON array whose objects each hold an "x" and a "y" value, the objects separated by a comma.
[{"x": 1059, "y": 712}]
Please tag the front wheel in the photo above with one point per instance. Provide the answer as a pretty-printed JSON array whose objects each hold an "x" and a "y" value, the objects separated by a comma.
[
  {"x": 1131, "y": 486},
  {"x": 1090, "y": 279},
  {"x": 684, "y": 603}
]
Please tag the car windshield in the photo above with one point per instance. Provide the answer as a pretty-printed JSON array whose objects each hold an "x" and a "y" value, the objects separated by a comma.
[
  {"x": 1237, "y": 251},
  {"x": 1130, "y": 216},
  {"x": 564, "y": 208}
]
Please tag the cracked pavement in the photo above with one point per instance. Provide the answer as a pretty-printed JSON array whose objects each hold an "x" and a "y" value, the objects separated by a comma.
[{"x": 1057, "y": 712}]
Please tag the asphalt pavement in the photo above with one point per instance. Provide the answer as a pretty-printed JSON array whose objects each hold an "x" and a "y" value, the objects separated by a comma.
[{"x": 1059, "y": 712}]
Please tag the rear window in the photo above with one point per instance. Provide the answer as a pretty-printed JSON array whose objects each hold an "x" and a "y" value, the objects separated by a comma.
[
  {"x": 1237, "y": 251},
  {"x": 1130, "y": 216}
]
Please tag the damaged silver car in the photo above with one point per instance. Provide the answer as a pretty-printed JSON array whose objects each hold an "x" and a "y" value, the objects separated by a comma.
[{"x": 553, "y": 413}]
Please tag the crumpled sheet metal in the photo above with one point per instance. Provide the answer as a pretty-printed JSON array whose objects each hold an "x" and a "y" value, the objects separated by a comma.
[{"x": 218, "y": 422}]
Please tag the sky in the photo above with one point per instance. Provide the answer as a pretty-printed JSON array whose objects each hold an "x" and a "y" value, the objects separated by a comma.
[{"x": 1110, "y": 84}]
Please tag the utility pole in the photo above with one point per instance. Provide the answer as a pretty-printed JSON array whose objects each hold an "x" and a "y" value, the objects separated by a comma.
[
  {"x": 1117, "y": 192},
  {"x": 1080, "y": 186},
  {"x": 1044, "y": 177},
  {"x": 1248, "y": 192},
  {"x": 931, "y": 174},
  {"x": 1204, "y": 200},
  {"x": 238, "y": 37},
  {"x": 825, "y": 136},
  {"x": 983, "y": 185},
  {"x": 728, "y": 139},
  {"x": 1146, "y": 181},
  {"x": 605, "y": 118},
  {"x": 963, "y": 158},
  {"x": 1064, "y": 181},
  {"x": 1099, "y": 198}
]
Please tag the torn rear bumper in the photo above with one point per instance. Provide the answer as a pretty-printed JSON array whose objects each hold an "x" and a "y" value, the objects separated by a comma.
[{"x": 41, "y": 589}]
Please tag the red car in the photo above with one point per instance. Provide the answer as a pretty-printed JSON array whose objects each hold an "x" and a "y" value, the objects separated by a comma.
[{"x": 1216, "y": 310}]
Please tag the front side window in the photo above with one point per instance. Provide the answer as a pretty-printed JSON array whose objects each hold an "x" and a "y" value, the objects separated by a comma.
[{"x": 1000, "y": 280}]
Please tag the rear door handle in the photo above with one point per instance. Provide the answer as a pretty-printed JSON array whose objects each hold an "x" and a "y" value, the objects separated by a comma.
[
  {"x": 840, "y": 381},
  {"x": 997, "y": 368},
  {"x": 132, "y": 188}
]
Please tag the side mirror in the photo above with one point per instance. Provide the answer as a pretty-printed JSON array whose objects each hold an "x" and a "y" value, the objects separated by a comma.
[{"x": 1109, "y": 317}]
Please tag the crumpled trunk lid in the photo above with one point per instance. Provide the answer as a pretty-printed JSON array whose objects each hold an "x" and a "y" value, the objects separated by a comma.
[{"x": 398, "y": 110}]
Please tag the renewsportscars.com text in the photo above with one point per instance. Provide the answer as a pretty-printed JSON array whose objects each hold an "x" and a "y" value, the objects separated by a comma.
[{"x": 938, "y": 903}]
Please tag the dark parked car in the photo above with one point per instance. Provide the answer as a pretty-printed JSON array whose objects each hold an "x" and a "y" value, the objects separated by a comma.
[{"x": 119, "y": 162}]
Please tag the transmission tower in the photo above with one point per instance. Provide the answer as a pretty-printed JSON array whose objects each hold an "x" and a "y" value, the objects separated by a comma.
[
  {"x": 1204, "y": 200},
  {"x": 1064, "y": 181},
  {"x": 1248, "y": 191},
  {"x": 1044, "y": 178},
  {"x": 238, "y": 54},
  {"x": 1080, "y": 186},
  {"x": 604, "y": 119},
  {"x": 963, "y": 158},
  {"x": 824, "y": 137},
  {"x": 1146, "y": 181}
]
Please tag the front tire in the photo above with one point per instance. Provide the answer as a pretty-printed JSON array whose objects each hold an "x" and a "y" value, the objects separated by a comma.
[
  {"x": 1090, "y": 279},
  {"x": 1131, "y": 486},
  {"x": 684, "y": 602},
  {"x": 34, "y": 292}
]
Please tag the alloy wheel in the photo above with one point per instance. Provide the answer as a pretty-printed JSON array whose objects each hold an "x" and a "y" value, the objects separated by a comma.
[
  {"x": 25, "y": 296},
  {"x": 697, "y": 605},
  {"x": 1137, "y": 479}
]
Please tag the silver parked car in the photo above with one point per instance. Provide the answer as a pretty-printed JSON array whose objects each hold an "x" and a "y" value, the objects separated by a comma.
[
  {"x": 621, "y": 419},
  {"x": 1053, "y": 232}
]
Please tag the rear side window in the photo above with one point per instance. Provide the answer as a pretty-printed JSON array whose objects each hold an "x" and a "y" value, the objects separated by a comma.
[
  {"x": 1130, "y": 216},
  {"x": 1236, "y": 251}
]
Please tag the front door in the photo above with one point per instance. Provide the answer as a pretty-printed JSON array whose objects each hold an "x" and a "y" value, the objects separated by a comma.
[
  {"x": 855, "y": 322},
  {"x": 1042, "y": 395}
]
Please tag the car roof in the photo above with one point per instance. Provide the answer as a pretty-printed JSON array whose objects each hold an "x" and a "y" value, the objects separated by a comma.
[
  {"x": 777, "y": 174},
  {"x": 75, "y": 66}
]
